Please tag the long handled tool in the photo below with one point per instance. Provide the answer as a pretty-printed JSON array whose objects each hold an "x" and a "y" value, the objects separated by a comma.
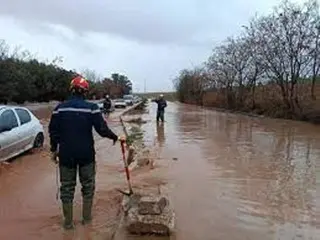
[
  {"x": 126, "y": 169},
  {"x": 57, "y": 182}
]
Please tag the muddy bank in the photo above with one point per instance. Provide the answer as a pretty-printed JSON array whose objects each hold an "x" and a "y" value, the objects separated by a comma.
[
  {"x": 266, "y": 102},
  {"x": 311, "y": 117}
]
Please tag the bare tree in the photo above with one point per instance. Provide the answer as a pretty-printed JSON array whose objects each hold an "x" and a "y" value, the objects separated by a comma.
[
  {"x": 280, "y": 51},
  {"x": 91, "y": 75},
  {"x": 57, "y": 61},
  {"x": 283, "y": 42},
  {"x": 4, "y": 50},
  {"x": 222, "y": 70},
  {"x": 315, "y": 44}
]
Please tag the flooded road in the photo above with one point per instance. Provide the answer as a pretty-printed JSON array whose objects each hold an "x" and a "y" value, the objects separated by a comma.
[
  {"x": 28, "y": 187},
  {"x": 229, "y": 176},
  {"x": 237, "y": 177}
]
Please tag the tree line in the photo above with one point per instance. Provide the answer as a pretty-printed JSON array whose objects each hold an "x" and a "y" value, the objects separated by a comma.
[
  {"x": 24, "y": 78},
  {"x": 272, "y": 67}
]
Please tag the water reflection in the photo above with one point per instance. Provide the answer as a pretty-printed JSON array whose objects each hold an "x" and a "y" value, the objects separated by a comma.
[
  {"x": 264, "y": 168},
  {"x": 160, "y": 134}
]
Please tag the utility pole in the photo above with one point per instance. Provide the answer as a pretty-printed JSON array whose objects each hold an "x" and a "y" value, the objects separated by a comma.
[{"x": 145, "y": 86}]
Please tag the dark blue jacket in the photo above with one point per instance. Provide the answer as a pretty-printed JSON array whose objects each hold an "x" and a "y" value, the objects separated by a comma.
[
  {"x": 107, "y": 104},
  {"x": 70, "y": 130},
  {"x": 162, "y": 104}
]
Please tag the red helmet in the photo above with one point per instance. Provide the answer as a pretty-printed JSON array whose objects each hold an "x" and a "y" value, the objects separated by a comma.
[{"x": 80, "y": 83}]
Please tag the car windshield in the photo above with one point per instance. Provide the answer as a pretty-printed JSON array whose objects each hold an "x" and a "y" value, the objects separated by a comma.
[
  {"x": 127, "y": 97},
  {"x": 118, "y": 100}
]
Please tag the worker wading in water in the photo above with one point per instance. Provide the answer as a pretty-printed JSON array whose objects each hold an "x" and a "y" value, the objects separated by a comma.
[
  {"x": 71, "y": 140},
  {"x": 162, "y": 104},
  {"x": 107, "y": 105}
]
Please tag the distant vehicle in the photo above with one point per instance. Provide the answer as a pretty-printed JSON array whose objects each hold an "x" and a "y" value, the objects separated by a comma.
[
  {"x": 100, "y": 104},
  {"x": 20, "y": 131},
  {"x": 129, "y": 99},
  {"x": 136, "y": 99},
  {"x": 120, "y": 103}
]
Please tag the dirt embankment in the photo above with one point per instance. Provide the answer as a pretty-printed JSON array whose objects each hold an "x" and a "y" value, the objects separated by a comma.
[{"x": 267, "y": 101}]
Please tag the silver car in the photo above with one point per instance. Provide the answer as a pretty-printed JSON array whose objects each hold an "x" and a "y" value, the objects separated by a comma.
[
  {"x": 20, "y": 131},
  {"x": 120, "y": 103},
  {"x": 128, "y": 99}
]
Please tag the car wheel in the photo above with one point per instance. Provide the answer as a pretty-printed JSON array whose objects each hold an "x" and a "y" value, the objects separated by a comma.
[{"x": 38, "y": 141}]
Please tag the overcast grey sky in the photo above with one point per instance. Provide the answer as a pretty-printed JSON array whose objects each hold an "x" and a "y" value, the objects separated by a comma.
[{"x": 148, "y": 40}]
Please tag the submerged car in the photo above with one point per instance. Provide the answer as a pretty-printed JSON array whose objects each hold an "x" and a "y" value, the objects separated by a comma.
[
  {"x": 20, "y": 131},
  {"x": 120, "y": 103}
]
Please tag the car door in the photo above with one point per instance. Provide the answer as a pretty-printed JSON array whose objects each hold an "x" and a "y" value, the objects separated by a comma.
[
  {"x": 26, "y": 131},
  {"x": 9, "y": 128}
]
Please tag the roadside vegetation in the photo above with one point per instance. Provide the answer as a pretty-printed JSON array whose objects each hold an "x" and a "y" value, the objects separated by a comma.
[
  {"x": 24, "y": 78},
  {"x": 271, "y": 68}
]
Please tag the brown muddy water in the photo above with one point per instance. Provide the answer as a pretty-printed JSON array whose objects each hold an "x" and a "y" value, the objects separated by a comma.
[
  {"x": 230, "y": 177},
  {"x": 238, "y": 177},
  {"x": 28, "y": 186}
]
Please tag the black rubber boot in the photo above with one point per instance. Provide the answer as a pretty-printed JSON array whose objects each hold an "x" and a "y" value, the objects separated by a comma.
[
  {"x": 86, "y": 211},
  {"x": 68, "y": 215}
]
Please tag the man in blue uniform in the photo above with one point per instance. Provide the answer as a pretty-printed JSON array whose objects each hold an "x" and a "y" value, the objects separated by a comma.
[
  {"x": 162, "y": 104},
  {"x": 71, "y": 140}
]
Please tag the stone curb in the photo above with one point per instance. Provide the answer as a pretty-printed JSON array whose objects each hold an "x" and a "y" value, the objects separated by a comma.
[{"x": 162, "y": 224}]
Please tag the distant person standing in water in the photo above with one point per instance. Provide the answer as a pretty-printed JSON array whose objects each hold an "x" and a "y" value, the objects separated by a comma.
[
  {"x": 162, "y": 104},
  {"x": 107, "y": 105}
]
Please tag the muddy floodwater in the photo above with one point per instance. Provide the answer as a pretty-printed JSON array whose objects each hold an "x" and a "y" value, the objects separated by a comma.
[
  {"x": 229, "y": 176},
  {"x": 238, "y": 177}
]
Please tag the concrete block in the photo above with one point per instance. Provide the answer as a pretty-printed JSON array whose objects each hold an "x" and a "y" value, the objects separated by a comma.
[
  {"x": 152, "y": 205},
  {"x": 157, "y": 216},
  {"x": 143, "y": 161}
]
